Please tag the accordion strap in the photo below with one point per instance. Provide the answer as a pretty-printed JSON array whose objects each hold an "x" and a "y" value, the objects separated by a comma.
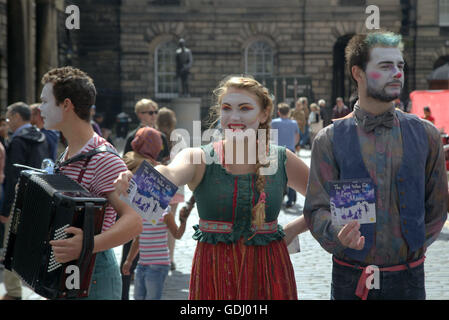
[
  {"x": 86, "y": 156},
  {"x": 88, "y": 237},
  {"x": 88, "y": 244}
]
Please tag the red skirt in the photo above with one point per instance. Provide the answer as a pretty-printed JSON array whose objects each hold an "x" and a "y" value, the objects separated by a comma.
[{"x": 239, "y": 272}]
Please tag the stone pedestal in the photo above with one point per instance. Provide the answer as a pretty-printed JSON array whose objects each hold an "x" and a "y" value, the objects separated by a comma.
[{"x": 188, "y": 115}]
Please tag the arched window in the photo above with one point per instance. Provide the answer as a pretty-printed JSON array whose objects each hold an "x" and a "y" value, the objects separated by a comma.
[
  {"x": 259, "y": 60},
  {"x": 166, "y": 84}
]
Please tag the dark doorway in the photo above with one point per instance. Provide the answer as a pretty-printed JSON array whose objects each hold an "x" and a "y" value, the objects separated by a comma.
[
  {"x": 341, "y": 84},
  {"x": 17, "y": 80}
]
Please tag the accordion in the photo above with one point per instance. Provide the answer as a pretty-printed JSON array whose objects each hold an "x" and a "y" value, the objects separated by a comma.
[{"x": 45, "y": 205}]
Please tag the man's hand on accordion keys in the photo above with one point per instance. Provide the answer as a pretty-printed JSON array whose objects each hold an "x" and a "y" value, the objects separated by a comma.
[{"x": 68, "y": 249}]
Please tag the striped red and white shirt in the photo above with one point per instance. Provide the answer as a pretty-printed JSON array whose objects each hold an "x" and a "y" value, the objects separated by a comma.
[
  {"x": 153, "y": 243},
  {"x": 102, "y": 169}
]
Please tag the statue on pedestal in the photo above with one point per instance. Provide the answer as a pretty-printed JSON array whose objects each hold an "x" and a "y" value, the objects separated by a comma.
[{"x": 184, "y": 60}]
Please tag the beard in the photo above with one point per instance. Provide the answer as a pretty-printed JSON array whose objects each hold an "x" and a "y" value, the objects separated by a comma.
[{"x": 381, "y": 94}]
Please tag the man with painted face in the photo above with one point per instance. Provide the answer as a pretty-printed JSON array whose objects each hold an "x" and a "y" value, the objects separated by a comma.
[
  {"x": 402, "y": 157},
  {"x": 67, "y": 97}
]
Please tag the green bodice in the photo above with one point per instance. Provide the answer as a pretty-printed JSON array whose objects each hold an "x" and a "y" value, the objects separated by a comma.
[{"x": 225, "y": 201}]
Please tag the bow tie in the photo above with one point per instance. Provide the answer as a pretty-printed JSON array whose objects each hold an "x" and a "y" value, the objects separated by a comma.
[{"x": 369, "y": 123}]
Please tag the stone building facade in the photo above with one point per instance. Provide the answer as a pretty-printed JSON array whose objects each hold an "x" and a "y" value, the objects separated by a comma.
[
  {"x": 304, "y": 38},
  {"x": 432, "y": 39},
  {"x": 28, "y": 47},
  {"x": 3, "y": 54},
  {"x": 295, "y": 46}
]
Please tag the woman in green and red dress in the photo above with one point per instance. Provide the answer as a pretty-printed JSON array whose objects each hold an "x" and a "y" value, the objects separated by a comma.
[{"x": 242, "y": 251}]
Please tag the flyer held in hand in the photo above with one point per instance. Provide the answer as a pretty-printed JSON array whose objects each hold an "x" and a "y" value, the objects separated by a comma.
[
  {"x": 352, "y": 200},
  {"x": 149, "y": 192}
]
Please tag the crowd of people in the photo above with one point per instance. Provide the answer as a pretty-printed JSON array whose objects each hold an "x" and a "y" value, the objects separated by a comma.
[
  {"x": 241, "y": 250},
  {"x": 314, "y": 117}
]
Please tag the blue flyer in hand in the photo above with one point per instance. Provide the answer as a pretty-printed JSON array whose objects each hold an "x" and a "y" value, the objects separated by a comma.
[
  {"x": 352, "y": 200},
  {"x": 149, "y": 192}
]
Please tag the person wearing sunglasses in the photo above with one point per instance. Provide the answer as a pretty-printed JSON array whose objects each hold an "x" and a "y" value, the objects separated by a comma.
[{"x": 146, "y": 111}]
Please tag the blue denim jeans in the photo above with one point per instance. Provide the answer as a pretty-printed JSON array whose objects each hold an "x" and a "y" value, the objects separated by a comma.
[
  {"x": 106, "y": 279},
  {"x": 304, "y": 136},
  {"x": 396, "y": 285},
  {"x": 149, "y": 281}
]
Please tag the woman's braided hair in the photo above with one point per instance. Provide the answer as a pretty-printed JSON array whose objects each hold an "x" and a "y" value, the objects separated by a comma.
[{"x": 251, "y": 85}]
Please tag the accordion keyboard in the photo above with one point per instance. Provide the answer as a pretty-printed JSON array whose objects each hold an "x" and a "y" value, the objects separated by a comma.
[{"x": 58, "y": 235}]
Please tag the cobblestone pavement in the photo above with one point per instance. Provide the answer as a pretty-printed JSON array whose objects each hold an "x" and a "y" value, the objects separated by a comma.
[{"x": 312, "y": 265}]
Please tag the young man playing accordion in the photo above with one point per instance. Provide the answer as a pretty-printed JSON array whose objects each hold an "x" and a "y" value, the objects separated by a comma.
[{"x": 67, "y": 97}]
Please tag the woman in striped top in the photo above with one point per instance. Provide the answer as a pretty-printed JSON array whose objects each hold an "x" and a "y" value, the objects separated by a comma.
[{"x": 154, "y": 259}]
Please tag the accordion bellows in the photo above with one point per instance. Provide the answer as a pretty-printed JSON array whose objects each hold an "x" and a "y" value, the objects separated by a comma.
[{"x": 45, "y": 205}]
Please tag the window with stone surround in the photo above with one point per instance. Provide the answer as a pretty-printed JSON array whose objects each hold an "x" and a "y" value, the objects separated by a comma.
[
  {"x": 166, "y": 83},
  {"x": 259, "y": 61},
  {"x": 443, "y": 10}
]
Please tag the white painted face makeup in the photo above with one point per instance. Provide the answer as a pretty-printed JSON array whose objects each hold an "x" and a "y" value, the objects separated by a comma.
[
  {"x": 385, "y": 74},
  {"x": 240, "y": 111},
  {"x": 50, "y": 111}
]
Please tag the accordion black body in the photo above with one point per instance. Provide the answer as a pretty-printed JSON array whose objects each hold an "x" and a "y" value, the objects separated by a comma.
[{"x": 45, "y": 205}]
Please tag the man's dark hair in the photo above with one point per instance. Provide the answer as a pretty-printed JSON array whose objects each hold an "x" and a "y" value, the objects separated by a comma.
[
  {"x": 22, "y": 109},
  {"x": 74, "y": 84},
  {"x": 357, "y": 52},
  {"x": 283, "y": 108}
]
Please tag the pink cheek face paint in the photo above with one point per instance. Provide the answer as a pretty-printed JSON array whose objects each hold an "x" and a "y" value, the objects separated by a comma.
[{"x": 375, "y": 75}]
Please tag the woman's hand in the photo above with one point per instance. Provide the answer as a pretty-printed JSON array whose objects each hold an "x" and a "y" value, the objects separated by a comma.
[
  {"x": 294, "y": 228},
  {"x": 290, "y": 233},
  {"x": 121, "y": 184}
]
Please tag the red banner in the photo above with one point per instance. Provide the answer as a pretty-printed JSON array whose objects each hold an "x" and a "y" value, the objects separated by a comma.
[{"x": 437, "y": 101}]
